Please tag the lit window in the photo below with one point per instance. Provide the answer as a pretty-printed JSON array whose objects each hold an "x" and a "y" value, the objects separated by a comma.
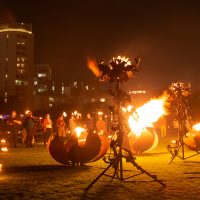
[
  {"x": 93, "y": 100},
  {"x": 7, "y": 36},
  {"x": 18, "y": 65},
  {"x": 18, "y": 59},
  {"x": 22, "y": 65},
  {"x": 6, "y": 59},
  {"x": 5, "y": 100},
  {"x": 6, "y": 76},
  {"x": 19, "y": 82},
  {"x": 42, "y": 75},
  {"x": 86, "y": 87}
]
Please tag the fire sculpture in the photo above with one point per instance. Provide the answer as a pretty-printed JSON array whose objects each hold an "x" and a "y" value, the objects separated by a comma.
[{"x": 80, "y": 148}]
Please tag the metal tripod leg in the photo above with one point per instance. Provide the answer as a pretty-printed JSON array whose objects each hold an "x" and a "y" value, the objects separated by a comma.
[
  {"x": 154, "y": 177},
  {"x": 102, "y": 173}
]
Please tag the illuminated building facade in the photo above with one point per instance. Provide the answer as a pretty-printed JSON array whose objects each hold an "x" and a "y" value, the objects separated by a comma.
[
  {"x": 16, "y": 62},
  {"x": 42, "y": 78}
]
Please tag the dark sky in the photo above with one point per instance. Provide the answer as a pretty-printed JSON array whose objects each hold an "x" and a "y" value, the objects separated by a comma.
[{"x": 165, "y": 34}]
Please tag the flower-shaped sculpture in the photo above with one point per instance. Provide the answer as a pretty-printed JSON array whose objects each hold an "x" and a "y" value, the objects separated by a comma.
[{"x": 119, "y": 69}]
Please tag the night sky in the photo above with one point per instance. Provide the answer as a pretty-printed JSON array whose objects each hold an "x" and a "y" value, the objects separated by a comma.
[{"x": 165, "y": 34}]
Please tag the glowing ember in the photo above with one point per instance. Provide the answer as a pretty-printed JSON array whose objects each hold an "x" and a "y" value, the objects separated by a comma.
[
  {"x": 92, "y": 65},
  {"x": 196, "y": 127},
  {"x": 4, "y": 149},
  {"x": 78, "y": 131},
  {"x": 147, "y": 114},
  {"x": 3, "y": 141}
]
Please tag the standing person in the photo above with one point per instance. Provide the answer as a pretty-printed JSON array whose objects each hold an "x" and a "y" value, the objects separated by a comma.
[
  {"x": 101, "y": 126},
  {"x": 47, "y": 124},
  {"x": 163, "y": 126},
  {"x": 29, "y": 125},
  {"x": 14, "y": 126},
  {"x": 89, "y": 123},
  {"x": 72, "y": 124},
  {"x": 60, "y": 124}
]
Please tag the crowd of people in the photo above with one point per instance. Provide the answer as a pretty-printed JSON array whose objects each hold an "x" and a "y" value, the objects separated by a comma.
[{"x": 61, "y": 126}]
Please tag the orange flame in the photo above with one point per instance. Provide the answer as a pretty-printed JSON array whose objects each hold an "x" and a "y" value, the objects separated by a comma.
[
  {"x": 92, "y": 65},
  {"x": 78, "y": 131},
  {"x": 4, "y": 149},
  {"x": 196, "y": 127},
  {"x": 147, "y": 114}
]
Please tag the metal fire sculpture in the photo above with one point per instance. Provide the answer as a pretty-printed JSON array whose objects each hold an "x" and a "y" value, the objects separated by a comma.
[
  {"x": 179, "y": 93},
  {"x": 119, "y": 70},
  {"x": 90, "y": 149}
]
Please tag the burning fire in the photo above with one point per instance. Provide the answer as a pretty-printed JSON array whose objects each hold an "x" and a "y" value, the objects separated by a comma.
[
  {"x": 196, "y": 127},
  {"x": 122, "y": 59},
  {"x": 92, "y": 65},
  {"x": 3, "y": 141},
  {"x": 78, "y": 131},
  {"x": 147, "y": 114},
  {"x": 4, "y": 149}
]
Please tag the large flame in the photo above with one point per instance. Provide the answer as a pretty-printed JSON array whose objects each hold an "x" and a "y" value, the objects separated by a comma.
[
  {"x": 92, "y": 65},
  {"x": 196, "y": 127},
  {"x": 147, "y": 114}
]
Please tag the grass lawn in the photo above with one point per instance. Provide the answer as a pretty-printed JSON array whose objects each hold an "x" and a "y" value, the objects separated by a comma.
[{"x": 31, "y": 173}]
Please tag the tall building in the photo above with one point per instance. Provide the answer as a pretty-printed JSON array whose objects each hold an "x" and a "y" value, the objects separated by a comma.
[{"x": 16, "y": 62}]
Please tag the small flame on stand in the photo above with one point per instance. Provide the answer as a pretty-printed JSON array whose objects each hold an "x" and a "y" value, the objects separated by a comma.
[
  {"x": 4, "y": 149},
  {"x": 147, "y": 114},
  {"x": 3, "y": 141},
  {"x": 79, "y": 131}
]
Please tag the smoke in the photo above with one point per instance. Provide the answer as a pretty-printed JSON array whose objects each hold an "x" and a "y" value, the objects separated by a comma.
[{"x": 6, "y": 15}]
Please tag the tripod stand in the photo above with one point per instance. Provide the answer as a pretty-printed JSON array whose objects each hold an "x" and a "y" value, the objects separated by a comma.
[
  {"x": 179, "y": 93},
  {"x": 117, "y": 163},
  {"x": 180, "y": 146}
]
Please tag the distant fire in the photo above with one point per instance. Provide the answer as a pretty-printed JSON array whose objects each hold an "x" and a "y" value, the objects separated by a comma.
[
  {"x": 79, "y": 131},
  {"x": 147, "y": 114},
  {"x": 196, "y": 127},
  {"x": 92, "y": 65},
  {"x": 4, "y": 149},
  {"x": 3, "y": 141}
]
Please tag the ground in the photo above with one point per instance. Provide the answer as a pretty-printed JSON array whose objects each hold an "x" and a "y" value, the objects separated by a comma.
[{"x": 31, "y": 173}]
